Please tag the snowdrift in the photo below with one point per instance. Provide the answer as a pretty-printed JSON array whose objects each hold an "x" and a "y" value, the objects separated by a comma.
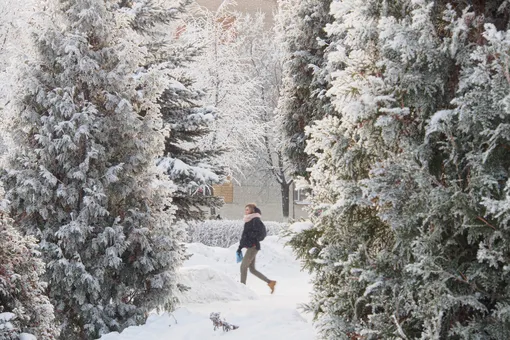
[
  {"x": 209, "y": 285},
  {"x": 213, "y": 277}
]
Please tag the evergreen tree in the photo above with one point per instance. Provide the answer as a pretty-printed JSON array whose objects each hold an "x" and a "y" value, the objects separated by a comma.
[
  {"x": 460, "y": 263},
  {"x": 83, "y": 179},
  {"x": 22, "y": 293},
  {"x": 300, "y": 26},
  {"x": 410, "y": 184},
  {"x": 190, "y": 164},
  {"x": 349, "y": 241}
]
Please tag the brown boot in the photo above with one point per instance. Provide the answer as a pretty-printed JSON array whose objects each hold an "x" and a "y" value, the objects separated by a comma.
[{"x": 271, "y": 285}]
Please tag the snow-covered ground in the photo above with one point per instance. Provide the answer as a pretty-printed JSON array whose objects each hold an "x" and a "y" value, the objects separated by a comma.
[{"x": 213, "y": 277}]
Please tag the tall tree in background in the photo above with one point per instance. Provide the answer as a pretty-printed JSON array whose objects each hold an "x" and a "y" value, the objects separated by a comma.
[
  {"x": 266, "y": 67},
  {"x": 83, "y": 179},
  {"x": 223, "y": 70},
  {"x": 300, "y": 25},
  {"x": 192, "y": 165},
  {"x": 241, "y": 70},
  {"x": 15, "y": 19},
  {"x": 410, "y": 187}
]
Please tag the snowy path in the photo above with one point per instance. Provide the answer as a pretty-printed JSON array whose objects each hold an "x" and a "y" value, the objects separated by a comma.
[{"x": 213, "y": 277}]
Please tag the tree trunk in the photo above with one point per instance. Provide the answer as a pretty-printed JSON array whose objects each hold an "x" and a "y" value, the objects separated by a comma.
[
  {"x": 212, "y": 210},
  {"x": 285, "y": 199}
]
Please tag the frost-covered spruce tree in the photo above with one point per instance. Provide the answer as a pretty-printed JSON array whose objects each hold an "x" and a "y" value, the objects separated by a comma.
[
  {"x": 461, "y": 261},
  {"x": 349, "y": 241},
  {"x": 417, "y": 145},
  {"x": 351, "y": 246},
  {"x": 434, "y": 186},
  {"x": 192, "y": 165},
  {"x": 300, "y": 29},
  {"x": 22, "y": 293},
  {"x": 83, "y": 179}
]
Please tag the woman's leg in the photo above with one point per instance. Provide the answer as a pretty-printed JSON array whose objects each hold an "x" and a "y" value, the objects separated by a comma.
[
  {"x": 255, "y": 271},
  {"x": 248, "y": 258}
]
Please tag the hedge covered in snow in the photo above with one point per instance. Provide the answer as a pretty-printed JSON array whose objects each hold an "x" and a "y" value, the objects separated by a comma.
[{"x": 224, "y": 233}]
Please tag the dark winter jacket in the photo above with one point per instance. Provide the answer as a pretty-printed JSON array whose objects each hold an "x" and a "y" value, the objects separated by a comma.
[{"x": 249, "y": 237}]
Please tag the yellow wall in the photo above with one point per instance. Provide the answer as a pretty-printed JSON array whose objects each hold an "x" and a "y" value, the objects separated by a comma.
[{"x": 225, "y": 190}]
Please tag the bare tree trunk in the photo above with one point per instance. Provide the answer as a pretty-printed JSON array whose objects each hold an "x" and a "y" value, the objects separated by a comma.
[{"x": 285, "y": 188}]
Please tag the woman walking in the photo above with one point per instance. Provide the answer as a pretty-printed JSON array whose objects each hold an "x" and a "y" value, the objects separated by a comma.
[{"x": 254, "y": 231}]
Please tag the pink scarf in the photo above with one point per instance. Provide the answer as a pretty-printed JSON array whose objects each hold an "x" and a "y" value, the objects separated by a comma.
[{"x": 248, "y": 218}]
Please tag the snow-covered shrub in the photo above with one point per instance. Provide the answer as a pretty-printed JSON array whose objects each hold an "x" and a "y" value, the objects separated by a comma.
[
  {"x": 9, "y": 329},
  {"x": 224, "y": 233},
  {"x": 8, "y": 326},
  {"x": 24, "y": 307},
  {"x": 218, "y": 323}
]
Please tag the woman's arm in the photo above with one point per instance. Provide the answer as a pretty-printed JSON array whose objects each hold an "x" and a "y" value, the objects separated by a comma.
[{"x": 244, "y": 236}]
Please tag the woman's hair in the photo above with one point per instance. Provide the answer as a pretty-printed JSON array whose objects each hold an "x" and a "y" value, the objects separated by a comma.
[{"x": 252, "y": 207}]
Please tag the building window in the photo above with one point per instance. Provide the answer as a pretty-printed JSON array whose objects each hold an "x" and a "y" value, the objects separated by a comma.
[{"x": 301, "y": 197}]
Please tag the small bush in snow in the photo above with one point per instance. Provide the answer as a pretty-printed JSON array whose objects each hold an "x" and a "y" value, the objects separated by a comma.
[
  {"x": 218, "y": 323},
  {"x": 8, "y": 331},
  {"x": 24, "y": 307},
  {"x": 224, "y": 233}
]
